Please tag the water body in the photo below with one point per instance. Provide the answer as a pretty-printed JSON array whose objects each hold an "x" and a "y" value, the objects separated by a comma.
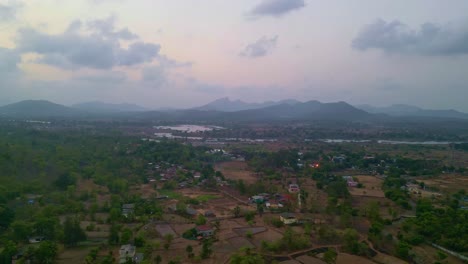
[
  {"x": 391, "y": 142},
  {"x": 190, "y": 128}
]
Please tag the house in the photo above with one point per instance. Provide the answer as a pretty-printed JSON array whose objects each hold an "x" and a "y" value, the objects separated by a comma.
[
  {"x": 288, "y": 218},
  {"x": 197, "y": 175},
  {"x": 413, "y": 188},
  {"x": 293, "y": 188},
  {"x": 128, "y": 209},
  {"x": 339, "y": 159},
  {"x": 204, "y": 231},
  {"x": 37, "y": 239},
  {"x": 257, "y": 199},
  {"x": 191, "y": 212},
  {"x": 210, "y": 214},
  {"x": 126, "y": 252},
  {"x": 138, "y": 258}
]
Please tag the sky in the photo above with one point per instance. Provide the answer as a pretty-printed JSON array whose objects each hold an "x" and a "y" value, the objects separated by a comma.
[{"x": 185, "y": 53}]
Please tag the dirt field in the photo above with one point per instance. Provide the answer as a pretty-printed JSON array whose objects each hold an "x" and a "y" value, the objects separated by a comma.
[
  {"x": 344, "y": 258},
  {"x": 447, "y": 183},
  {"x": 372, "y": 187},
  {"x": 236, "y": 170},
  {"x": 72, "y": 256},
  {"x": 387, "y": 259}
]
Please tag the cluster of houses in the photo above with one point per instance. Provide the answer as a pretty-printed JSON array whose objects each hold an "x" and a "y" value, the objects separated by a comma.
[
  {"x": 350, "y": 181},
  {"x": 271, "y": 202},
  {"x": 128, "y": 252}
]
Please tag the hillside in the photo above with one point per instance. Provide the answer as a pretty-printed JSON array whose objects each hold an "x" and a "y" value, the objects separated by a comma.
[
  {"x": 401, "y": 110},
  {"x": 227, "y": 105},
  {"x": 37, "y": 108}
]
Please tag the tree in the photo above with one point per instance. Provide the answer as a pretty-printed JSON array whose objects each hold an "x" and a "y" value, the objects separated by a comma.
[
  {"x": 158, "y": 259},
  {"x": 236, "y": 211},
  {"x": 114, "y": 235},
  {"x": 201, "y": 220},
  {"x": 126, "y": 235},
  {"x": 206, "y": 249},
  {"x": 245, "y": 256},
  {"x": 189, "y": 250},
  {"x": 72, "y": 232},
  {"x": 167, "y": 241},
  {"x": 46, "y": 252},
  {"x": 9, "y": 250},
  {"x": 351, "y": 241},
  {"x": 6, "y": 216},
  {"x": 330, "y": 256},
  {"x": 21, "y": 230}
]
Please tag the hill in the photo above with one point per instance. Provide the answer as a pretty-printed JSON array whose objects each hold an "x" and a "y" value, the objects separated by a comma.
[
  {"x": 402, "y": 110},
  {"x": 312, "y": 110},
  {"x": 37, "y": 108},
  {"x": 227, "y": 105}
]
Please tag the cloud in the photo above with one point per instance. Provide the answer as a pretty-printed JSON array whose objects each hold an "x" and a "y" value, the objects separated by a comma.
[
  {"x": 9, "y": 60},
  {"x": 154, "y": 76},
  {"x": 8, "y": 11},
  {"x": 111, "y": 77},
  {"x": 72, "y": 50},
  {"x": 260, "y": 48},
  {"x": 276, "y": 8},
  {"x": 430, "y": 39},
  {"x": 106, "y": 27}
]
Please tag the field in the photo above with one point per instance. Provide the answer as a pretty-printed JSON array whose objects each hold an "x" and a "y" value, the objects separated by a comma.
[
  {"x": 446, "y": 183},
  {"x": 344, "y": 258},
  {"x": 372, "y": 187},
  {"x": 236, "y": 170}
]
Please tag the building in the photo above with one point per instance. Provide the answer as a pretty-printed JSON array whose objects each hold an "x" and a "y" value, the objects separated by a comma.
[
  {"x": 128, "y": 209},
  {"x": 339, "y": 159},
  {"x": 288, "y": 218},
  {"x": 126, "y": 252},
  {"x": 204, "y": 231},
  {"x": 210, "y": 214},
  {"x": 293, "y": 188},
  {"x": 37, "y": 239}
]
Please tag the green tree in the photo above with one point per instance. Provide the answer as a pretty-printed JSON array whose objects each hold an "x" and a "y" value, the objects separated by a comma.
[
  {"x": 168, "y": 238},
  {"x": 189, "y": 250},
  {"x": 206, "y": 249},
  {"x": 236, "y": 211},
  {"x": 72, "y": 232},
  {"x": 46, "y": 252},
  {"x": 330, "y": 256},
  {"x": 201, "y": 220},
  {"x": 245, "y": 256},
  {"x": 114, "y": 235}
]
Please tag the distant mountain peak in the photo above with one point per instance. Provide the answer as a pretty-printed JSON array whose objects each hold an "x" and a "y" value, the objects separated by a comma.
[
  {"x": 225, "y": 104},
  {"x": 410, "y": 110},
  {"x": 98, "y": 106}
]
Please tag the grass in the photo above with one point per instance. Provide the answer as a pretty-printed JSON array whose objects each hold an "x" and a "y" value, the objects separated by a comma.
[
  {"x": 171, "y": 194},
  {"x": 206, "y": 197}
]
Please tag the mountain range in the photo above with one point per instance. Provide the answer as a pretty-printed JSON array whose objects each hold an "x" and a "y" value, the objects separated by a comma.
[
  {"x": 401, "y": 110},
  {"x": 225, "y": 110},
  {"x": 226, "y": 105}
]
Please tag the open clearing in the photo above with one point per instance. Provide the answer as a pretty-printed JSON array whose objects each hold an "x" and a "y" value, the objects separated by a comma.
[
  {"x": 344, "y": 258},
  {"x": 372, "y": 187},
  {"x": 448, "y": 183},
  {"x": 236, "y": 170}
]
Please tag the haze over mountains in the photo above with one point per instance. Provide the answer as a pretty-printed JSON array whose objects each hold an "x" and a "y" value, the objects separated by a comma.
[
  {"x": 226, "y": 105},
  {"x": 409, "y": 110},
  {"x": 97, "y": 107},
  {"x": 225, "y": 109}
]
